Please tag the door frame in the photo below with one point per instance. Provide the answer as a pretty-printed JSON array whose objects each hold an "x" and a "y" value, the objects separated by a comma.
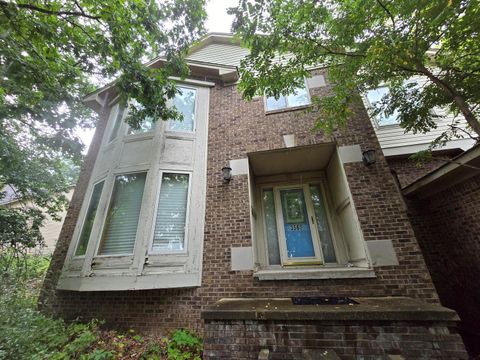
[{"x": 317, "y": 259}]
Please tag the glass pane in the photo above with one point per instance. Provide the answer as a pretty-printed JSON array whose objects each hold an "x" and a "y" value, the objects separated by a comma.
[
  {"x": 122, "y": 218},
  {"x": 271, "y": 227},
  {"x": 171, "y": 213},
  {"x": 146, "y": 125},
  {"x": 185, "y": 103},
  {"x": 116, "y": 125},
  {"x": 376, "y": 95},
  {"x": 89, "y": 219},
  {"x": 298, "y": 98},
  {"x": 322, "y": 225},
  {"x": 296, "y": 223},
  {"x": 274, "y": 104}
]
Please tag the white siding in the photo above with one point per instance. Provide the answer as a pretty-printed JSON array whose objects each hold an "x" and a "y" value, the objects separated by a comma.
[{"x": 224, "y": 54}]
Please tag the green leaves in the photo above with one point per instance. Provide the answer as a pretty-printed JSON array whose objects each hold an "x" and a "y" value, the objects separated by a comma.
[
  {"x": 365, "y": 44},
  {"x": 54, "y": 53}
]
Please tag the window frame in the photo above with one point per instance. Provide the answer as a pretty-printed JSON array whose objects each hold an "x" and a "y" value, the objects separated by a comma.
[
  {"x": 335, "y": 230},
  {"x": 155, "y": 210},
  {"x": 194, "y": 128},
  {"x": 84, "y": 217},
  {"x": 110, "y": 140},
  {"x": 370, "y": 107},
  {"x": 287, "y": 107},
  {"x": 107, "y": 203}
]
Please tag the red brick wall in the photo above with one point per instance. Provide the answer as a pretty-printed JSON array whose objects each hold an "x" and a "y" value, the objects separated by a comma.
[
  {"x": 243, "y": 339},
  {"x": 236, "y": 128},
  {"x": 448, "y": 229}
]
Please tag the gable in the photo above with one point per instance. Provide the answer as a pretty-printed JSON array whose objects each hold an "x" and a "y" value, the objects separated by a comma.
[{"x": 223, "y": 54}]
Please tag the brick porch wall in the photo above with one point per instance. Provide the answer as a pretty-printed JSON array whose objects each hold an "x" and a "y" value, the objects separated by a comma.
[
  {"x": 366, "y": 340},
  {"x": 448, "y": 230},
  {"x": 235, "y": 129}
]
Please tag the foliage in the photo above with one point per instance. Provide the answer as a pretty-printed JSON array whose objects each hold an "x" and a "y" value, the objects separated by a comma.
[
  {"x": 27, "y": 334},
  {"x": 52, "y": 53},
  {"x": 427, "y": 52},
  {"x": 184, "y": 346}
]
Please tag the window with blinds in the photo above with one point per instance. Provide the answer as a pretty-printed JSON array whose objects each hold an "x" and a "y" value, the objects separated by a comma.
[
  {"x": 122, "y": 218},
  {"x": 89, "y": 218},
  {"x": 171, "y": 216}
]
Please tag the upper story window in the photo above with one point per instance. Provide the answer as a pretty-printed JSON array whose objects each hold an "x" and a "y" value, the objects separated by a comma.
[
  {"x": 185, "y": 103},
  {"x": 145, "y": 126},
  {"x": 300, "y": 97},
  {"x": 116, "y": 124},
  {"x": 374, "y": 96}
]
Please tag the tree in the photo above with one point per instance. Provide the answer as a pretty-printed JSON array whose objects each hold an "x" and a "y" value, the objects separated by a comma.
[
  {"x": 52, "y": 53},
  {"x": 366, "y": 43}
]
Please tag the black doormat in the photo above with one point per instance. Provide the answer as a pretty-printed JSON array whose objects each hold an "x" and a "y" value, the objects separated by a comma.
[{"x": 323, "y": 300}]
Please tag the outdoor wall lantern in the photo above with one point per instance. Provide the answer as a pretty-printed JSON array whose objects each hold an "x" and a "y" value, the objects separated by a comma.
[
  {"x": 227, "y": 174},
  {"x": 369, "y": 157}
]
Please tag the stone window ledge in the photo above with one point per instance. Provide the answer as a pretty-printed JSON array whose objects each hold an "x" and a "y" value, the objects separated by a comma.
[{"x": 309, "y": 274}]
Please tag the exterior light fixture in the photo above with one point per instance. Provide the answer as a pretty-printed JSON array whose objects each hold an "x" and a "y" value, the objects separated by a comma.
[
  {"x": 227, "y": 174},
  {"x": 369, "y": 157}
]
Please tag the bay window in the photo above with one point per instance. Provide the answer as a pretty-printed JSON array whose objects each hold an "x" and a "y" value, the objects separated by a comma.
[{"x": 142, "y": 227}]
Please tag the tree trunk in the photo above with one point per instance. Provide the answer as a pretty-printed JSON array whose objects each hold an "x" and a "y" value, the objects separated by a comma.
[{"x": 456, "y": 98}]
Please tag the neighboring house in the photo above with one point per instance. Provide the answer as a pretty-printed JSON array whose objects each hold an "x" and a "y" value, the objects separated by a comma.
[
  {"x": 51, "y": 228},
  {"x": 217, "y": 222}
]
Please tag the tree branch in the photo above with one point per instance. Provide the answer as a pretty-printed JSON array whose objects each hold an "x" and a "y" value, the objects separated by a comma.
[
  {"x": 49, "y": 12},
  {"x": 388, "y": 13}
]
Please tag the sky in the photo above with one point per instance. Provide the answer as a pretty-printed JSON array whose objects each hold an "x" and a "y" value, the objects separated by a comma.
[{"x": 217, "y": 21}]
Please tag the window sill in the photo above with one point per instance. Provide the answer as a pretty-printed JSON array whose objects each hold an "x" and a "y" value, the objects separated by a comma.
[
  {"x": 293, "y": 108},
  {"x": 309, "y": 274}
]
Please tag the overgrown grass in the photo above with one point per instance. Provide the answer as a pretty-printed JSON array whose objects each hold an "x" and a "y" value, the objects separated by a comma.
[{"x": 25, "y": 333}]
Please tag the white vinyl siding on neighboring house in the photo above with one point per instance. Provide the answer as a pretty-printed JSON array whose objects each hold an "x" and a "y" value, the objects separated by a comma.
[{"x": 395, "y": 141}]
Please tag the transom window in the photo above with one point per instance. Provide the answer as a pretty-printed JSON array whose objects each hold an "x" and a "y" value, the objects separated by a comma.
[
  {"x": 299, "y": 97},
  {"x": 298, "y": 226},
  {"x": 374, "y": 96}
]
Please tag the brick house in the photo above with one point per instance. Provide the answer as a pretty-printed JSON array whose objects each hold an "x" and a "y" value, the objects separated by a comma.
[{"x": 157, "y": 237}]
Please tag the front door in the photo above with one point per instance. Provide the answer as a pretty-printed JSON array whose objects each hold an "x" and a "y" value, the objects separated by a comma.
[{"x": 299, "y": 243}]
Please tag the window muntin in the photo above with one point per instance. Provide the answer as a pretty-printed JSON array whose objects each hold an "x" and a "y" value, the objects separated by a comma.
[
  {"x": 374, "y": 96},
  {"x": 121, "y": 223},
  {"x": 300, "y": 97},
  {"x": 171, "y": 217},
  {"x": 297, "y": 225},
  {"x": 185, "y": 103},
  {"x": 117, "y": 123},
  {"x": 89, "y": 219}
]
